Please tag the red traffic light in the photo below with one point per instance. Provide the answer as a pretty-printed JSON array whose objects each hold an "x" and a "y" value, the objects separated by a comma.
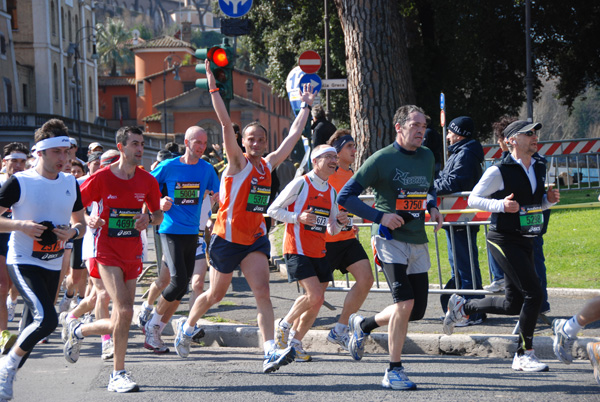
[{"x": 218, "y": 56}]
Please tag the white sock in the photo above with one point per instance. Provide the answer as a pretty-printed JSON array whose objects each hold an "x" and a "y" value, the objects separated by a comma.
[
  {"x": 187, "y": 329},
  {"x": 146, "y": 306},
  {"x": 268, "y": 345},
  {"x": 341, "y": 328},
  {"x": 13, "y": 360},
  {"x": 572, "y": 327},
  {"x": 292, "y": 334},
  {"x": 161, "y": 326},
  {"x": 117, "y": 372},
  {"x": 155, "y": 320},
  {"x": 285, "y": 324},
  {"x": 295, "y": 342},
  {"x": 78, "y": 332}
]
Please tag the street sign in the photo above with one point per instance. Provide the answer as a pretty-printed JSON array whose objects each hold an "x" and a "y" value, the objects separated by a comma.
[
  {"x": 235, "y": 8},
  {"x": 337, "y": 83},
  {"x": 309, "y": 62},
  {"x": 442, "y": 101},
  {"x": 442, "y": 118},
  {"x": 313, "y": 79},
  {"x": 292, "y": 88}
]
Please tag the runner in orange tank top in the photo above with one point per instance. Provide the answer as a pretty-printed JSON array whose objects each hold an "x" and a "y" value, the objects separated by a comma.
[
  {"x": 309, "y": 208},
  {"x": 239, "y": 237}
]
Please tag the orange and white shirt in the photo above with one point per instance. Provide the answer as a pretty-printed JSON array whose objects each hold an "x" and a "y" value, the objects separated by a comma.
[
  {"x": 337, "y": 180},
  {"x": 243, "y": 198},
  {"x": 306, "y": 192}
]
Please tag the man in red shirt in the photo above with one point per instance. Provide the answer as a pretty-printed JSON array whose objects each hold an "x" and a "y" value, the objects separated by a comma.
[{"x": 121, "y": 189}]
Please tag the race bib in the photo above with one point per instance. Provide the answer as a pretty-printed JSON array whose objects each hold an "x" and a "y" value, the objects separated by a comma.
[
  {"x": 412, "y": 202},
  {"x": 531, "y": 219},
  {"x": 121, "y": 222},
  {"x": 47, "y": 253},
  {"x": 258, "y": 199},
  {"x": 322, "y": 218},
  {"x": 186, "y": 193}
]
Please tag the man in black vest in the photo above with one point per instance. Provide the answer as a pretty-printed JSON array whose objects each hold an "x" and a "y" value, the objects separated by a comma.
[{"x": 514, "y": 192}]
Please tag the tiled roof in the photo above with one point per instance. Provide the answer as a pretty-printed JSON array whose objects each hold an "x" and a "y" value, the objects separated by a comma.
[
  {"x": 153, "y": 117},
  {"x": 115, "y": 81},
  {"x": 162, "y": 42}
]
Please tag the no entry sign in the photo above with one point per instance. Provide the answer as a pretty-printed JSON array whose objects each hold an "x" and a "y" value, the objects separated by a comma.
[{"x": 309, "y": 62}]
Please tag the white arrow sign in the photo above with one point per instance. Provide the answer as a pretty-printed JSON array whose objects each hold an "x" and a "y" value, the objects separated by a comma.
[{"x": 338, "y": 83}]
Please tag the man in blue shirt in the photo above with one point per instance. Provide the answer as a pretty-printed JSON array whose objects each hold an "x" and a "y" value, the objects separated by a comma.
[{"x": 186, "y": 178}]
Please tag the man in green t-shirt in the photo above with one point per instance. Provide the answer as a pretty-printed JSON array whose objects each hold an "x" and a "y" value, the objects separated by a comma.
[{"x": 401, "y": 176}]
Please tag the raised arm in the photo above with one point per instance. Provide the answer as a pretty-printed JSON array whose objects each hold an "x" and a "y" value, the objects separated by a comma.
[
  {"x": 235, "y": 156},
  {"x": 285, "y": 149}
]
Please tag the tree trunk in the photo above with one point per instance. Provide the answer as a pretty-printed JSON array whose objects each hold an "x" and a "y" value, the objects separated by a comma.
[{"x": 379, "y": 79}]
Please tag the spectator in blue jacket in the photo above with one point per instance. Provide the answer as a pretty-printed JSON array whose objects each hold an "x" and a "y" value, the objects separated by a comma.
[{"x": 461, "y": 172}]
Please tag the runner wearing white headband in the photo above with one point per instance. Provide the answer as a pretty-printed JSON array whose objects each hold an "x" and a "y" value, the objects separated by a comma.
[{"x": 320, "y": 151}]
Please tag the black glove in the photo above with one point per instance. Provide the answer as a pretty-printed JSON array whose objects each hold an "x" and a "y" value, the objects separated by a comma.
[{"x": 48, "y": 236}]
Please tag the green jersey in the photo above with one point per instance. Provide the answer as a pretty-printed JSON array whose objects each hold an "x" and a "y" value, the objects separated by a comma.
[{"x": 401, "y": 181}]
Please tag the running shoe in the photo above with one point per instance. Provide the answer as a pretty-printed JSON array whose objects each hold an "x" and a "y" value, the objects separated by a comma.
[
  {"x": 471, "y": 320},
  {"x": 281, "y": 336},
  {"x": 7, "y": 378},
  {"x": 182, "y": 340},
  {"x": 87, "y": 318},
  {"x": 276, "y": 358},
  {"x": 153, "y": 340},
  {"x": 528, "y": 362},
  {"x": 301, "y": 354},
  {"x": 563, "y": 343},
  {"x": 455, "y": 313},
  {"x": 122, "y": 382},
  {"x": 11, "y": 307},
  {"x": 197, "y": 337},
  {"x": 496, "y": 286},
  {"x": 108, "y": 349},
  {"x": 339, "y": 339},
  {"x": 143, "y": 317},
  {"x": 356, "y": 344},
  {"x": 65, "y": 303},
  {"x": 593, "y": 351},
  {"x": 7, "y": 340},
  {"x": 397, "y": 379},
  {"x": 73, "y": 344},
  {"x": 64, "y": 332}
]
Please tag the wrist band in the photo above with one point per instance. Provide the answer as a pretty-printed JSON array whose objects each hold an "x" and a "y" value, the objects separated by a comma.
[{"x": 212, "y": 91}]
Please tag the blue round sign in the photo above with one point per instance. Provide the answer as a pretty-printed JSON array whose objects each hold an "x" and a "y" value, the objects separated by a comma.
[
  {"x": 313, "y": 79},
  {"x": 235, "y": 8},
  {"x": 442, "y": 101}
]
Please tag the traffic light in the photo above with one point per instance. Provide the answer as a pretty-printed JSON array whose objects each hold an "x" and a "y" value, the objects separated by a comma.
[{"x": 221, "y": 64}]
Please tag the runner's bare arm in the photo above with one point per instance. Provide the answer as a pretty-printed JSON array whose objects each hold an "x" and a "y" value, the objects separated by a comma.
[{"x": 285, "y": 149}]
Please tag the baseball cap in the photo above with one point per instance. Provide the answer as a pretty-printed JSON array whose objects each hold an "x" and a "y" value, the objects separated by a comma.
[
  {"x": 73, "y": 141},
  {"x": 95, "y": 145},
  {"x": 520, "y": 126},
  {"x": 94, "y": 156}
]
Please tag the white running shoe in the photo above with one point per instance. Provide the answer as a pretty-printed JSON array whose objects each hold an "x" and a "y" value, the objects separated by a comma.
[
  {"x": 562, "y": 342},
  {"x": 496, "y": 286},
  {"x": 7, "y": 378},
  {"x": 73, "y": 344},
  {"x": 65, "y": 303},
  {"x": 11, "y": 307},
  {"x": 397, "y": 379},
  {"x": 281, "y": 336},
  {"x": 528, "y": 362},
  {"x": 108, "y": 349},
  {"x": 144, "y": 316},
  {"x": 153, "y": 340},
  {"x": 455, "y": 313},
  {"x": 122, "y": 382},
  {"x": 64, "y": 332},
  {"x": 339, "y": 339},
  {"x": 182, "y": 340},
  {"x": 356, "y": 343},
  {"x": 301, "y": 354}
]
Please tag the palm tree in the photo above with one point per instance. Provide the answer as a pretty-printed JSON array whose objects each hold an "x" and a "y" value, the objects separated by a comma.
[{"x": 112, "y": 38}]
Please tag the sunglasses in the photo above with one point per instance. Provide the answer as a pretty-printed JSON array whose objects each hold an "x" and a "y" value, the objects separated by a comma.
[{"x": 529, "y": 133}]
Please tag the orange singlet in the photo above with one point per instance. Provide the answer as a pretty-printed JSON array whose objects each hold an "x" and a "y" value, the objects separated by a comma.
[
  {"x": 337, "y": 180},
  {"x": 243, "y": 199}
]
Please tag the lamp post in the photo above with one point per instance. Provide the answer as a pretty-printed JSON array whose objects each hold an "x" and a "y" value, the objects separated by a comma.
[
  {"x": 167, "y": 64},
  {"x": 74, "y": 50}
]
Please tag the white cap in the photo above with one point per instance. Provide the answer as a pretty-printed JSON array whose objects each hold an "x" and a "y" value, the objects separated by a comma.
[{"x": 95, "y": 145}]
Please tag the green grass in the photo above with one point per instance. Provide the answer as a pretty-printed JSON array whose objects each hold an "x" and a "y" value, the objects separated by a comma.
[
  {"x": 571, "y": 245},
  {"x": 227, "y": 303},
  {"x": 212, "y": 318}
]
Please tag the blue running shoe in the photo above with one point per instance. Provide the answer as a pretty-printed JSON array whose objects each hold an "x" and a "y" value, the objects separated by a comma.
[
  {"x": 356, "y": 345},
  {"x": 397, "y": 379},
  {"x": 338, "y": 339},
  {"x": 276, "y": 358}
]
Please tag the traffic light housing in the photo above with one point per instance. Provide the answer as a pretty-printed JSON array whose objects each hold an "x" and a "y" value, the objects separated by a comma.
[{"x": 221, "y": 59}]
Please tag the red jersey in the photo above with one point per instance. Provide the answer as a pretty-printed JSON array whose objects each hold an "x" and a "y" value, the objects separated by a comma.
[
  {"x": 243, "y": 199},
  {"x": 309, "y": 240},
  {"x": 337, "y": 180},
  {"x": 118, "y": 202}
]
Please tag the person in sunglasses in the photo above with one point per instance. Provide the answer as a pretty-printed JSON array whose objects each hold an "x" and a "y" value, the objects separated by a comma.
[{"x": 515, "y": 194}]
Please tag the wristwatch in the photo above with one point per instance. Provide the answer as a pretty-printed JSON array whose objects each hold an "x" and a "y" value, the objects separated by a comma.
[{"x": 304, "y": 104}]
